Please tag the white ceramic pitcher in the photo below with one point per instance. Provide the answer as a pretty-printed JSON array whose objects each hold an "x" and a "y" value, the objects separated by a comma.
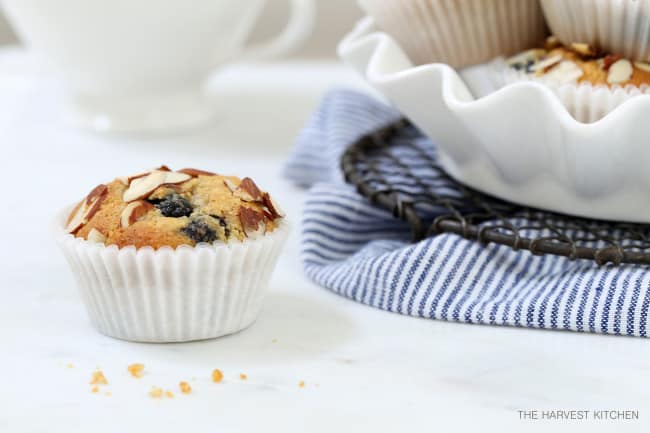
[{"x": 138, "y": 65}]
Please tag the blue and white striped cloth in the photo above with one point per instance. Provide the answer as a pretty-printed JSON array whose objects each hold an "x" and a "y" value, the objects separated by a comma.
[{"x": 363, "y": 253}]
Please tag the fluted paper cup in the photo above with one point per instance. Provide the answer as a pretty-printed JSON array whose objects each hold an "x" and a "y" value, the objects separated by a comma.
[
  {"x": 460, "y": 32},
  {"x": 585, "y": 102},
  {"x": 615, "y": 26},
  {"x": 172, "y": 295}
]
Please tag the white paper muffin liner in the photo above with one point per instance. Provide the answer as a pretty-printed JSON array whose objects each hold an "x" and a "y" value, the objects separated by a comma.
[
  {"x": 172, "y": 295},
  {"x": 615, "y": 26},
  {"x": 460, "y": 33},
  {"x": 586, "y": 103}
]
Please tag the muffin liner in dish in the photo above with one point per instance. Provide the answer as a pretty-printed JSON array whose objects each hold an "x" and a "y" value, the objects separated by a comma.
[
  {"x": 172, "y": 295},
  {"x": 459, "y": 33},
  {"x": 586, "y": 103},
  {"x": 518, "y": 143},
  {"x": 615, "y": 26}
]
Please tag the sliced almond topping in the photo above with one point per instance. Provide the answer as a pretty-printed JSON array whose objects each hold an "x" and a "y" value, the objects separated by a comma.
[
  {"x": 552, "y": 42},
  {"x": 196, "y": 173},
  {"x": 86, "y": 209},
  {"x": 96, "y": 236},
  {"x": 252, "y": 221},
  {"x": 173, "y": 178},
  {"x": 643, "y": 66},
  {"x": 76, "y": 219},
  {"x": 620, "y": 72},
  {"x": 583, "y": 49},
  {"x": 248, "y": 191},
  {"x": 134, "y": 211},
  {"x": 565, "y": 72},
  {"x": 230, "y": 184},
  {"x": 609, "y": 60},
  {"x": 141, "y": 188},
  {"x": 546, "y": 64},
  {"x": 273, "y": 207},
  {"x": 97, "y": 192}
]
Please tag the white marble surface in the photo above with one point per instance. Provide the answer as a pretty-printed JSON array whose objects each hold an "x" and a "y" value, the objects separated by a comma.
[{"x": 365, "y": 370}]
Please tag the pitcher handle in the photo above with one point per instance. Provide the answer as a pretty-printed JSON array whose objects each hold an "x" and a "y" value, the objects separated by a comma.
[{"x": 298, "y": 29}]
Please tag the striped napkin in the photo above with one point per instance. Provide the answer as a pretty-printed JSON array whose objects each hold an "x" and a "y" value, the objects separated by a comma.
[{"x": 362, "y": 252}]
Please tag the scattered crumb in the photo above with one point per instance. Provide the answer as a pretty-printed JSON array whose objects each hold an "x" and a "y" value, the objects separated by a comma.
[
  {"x": 136, "y": 370},
  {"x": 217, "y": 375},
  {"x": 169, "y": 394},
  {"x": 98, "y": 378},
  {"x": 70, "y": 365},
  {"x": 301, "y": 384},
  {"x": 242, "y": 376},
  {"x": 94, "y": 389},
  {"x": 156, "y": 392},
  {"x": 185, "y": 387},
  {"x": 275, "y": 340}
]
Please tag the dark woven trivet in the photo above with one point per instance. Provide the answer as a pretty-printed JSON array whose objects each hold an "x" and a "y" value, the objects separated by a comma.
[{"x": 396, "y": 168}]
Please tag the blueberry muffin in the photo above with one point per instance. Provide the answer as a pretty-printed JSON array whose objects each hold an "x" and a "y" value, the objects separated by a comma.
[
  {"x": 589, "y": 83},
  {"x": 616, "y": 26},
  {"x": 172, "y": 256},
  {"x": 161, "y": 208},
  {"x": 581, "y": 63}
]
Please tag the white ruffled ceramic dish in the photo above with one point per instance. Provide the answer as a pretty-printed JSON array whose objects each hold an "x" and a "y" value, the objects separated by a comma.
[{"x": 518, "y": 143}]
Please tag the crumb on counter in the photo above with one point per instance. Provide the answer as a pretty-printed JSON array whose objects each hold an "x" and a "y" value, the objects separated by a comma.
[
  {"x": 301, "y": 384},
  {"x": 275, "y": 340},
  {"x": 69, "y": 365},
  {"x": 217, "y": 375},
  {"x": 242, "y": 376},
  {"x": 185, "y": 387},
  {"x": 156, "y": 392},
  {"x": 136, "y": 370},
  {"x": 94, "y": 389},
  {"x": 98, "y": 378},
  {"x": 169, "y": 394}
]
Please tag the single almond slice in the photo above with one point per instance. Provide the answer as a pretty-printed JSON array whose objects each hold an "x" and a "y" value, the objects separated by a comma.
[
  {"x": 583, "y": 49},
  {"x": 133, "y": 212},
  {"x": 93, "y": 207},
  {"x": 173, "y": 178},
  {"x": 273, "y": 207},
  {"x": 196, "y": 173},
  {"x": 96, "y": 236},
  {"x": 163, "y": 168},
  {"x": 252, "y": 221},
  {"x": 645, "y": 67},
  {"x": 248, "y": 191},
  {"x": 545, "y": 64},
  {"x": 566, "y": 72},
  {"x": 230, "y": 184},
  {"x": 76, "y": 218},
  {"x": 609, "y": 60},
  {"x": 620, "y": 72},
  {"x": 85, "y": 210},
  {"x": 98, "y": 191},
  {"x": 552, "y": 42},
  {"x": 143, "y": 186}
]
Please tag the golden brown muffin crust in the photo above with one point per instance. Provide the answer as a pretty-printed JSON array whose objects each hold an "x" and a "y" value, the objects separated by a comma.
[{"x": 197, "y": 207}]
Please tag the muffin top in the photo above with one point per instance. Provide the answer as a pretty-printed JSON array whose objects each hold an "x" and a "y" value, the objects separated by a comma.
[
  {"x": 580, "y": 63},
  {"x": 161, "y": 207}
]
